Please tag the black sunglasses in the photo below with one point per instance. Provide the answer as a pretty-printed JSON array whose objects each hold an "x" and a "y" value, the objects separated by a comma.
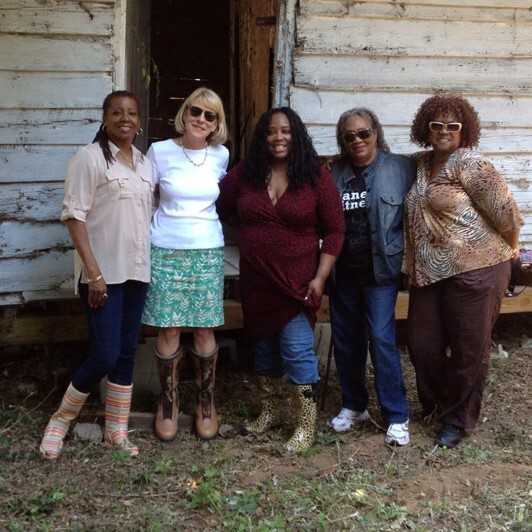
[
  {"x": 198, "y": 111},
  {"x": 362, "y": 134}
]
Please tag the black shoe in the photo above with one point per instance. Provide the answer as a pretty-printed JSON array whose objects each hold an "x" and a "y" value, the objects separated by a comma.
[{"x": 450, "y": 436}]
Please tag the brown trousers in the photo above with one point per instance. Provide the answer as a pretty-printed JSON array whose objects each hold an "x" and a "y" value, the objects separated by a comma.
[{"x": 456, "y": 313}]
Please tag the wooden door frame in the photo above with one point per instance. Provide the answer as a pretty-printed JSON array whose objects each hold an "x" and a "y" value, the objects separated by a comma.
[
  {"x": 137, "y": 65},
  {"x": 284, "y": 52},
  {"x": 250, "y": 97},
  {"x": 257, "y": 36}
]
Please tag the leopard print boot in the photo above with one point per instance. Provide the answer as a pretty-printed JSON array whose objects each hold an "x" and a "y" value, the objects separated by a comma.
[
  {"x": 270, "y": 415},
  {"x": 305, "y": 432}
]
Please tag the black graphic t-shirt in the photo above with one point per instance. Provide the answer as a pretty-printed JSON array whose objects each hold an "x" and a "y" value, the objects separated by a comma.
[{"x": 355, "y": 258}]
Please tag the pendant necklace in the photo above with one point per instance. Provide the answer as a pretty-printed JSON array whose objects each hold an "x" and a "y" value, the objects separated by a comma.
[{"x": 191, "y": 160}]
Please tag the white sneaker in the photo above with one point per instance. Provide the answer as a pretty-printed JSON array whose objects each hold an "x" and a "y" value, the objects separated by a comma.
[
  {"x": 347, "y": 419},
  {"x": 397, "y": 434}
]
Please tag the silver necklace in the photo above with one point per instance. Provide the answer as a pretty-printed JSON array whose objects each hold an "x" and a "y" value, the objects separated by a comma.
[{"x": 191, "y": 160}]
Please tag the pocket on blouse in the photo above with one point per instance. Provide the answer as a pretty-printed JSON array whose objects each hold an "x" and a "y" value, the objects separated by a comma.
[{"x": 118, "y": 183}]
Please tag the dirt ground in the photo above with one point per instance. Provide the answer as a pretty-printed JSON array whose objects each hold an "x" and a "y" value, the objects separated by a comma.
[{"x": 346, "y": 482}]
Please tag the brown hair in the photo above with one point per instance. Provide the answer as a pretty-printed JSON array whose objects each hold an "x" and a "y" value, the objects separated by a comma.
[{"x": 443, "y": 104}]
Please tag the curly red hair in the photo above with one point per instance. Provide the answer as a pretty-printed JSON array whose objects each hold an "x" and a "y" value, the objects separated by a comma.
[{"x": 442, "y": 104}]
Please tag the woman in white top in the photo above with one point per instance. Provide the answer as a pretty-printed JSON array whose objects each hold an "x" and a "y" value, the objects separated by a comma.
[
  {"x": 107, "y": 209},
  {"x": 187, "y": 256}
]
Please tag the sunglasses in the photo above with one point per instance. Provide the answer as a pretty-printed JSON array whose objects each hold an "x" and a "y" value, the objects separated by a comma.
[
  {"x": 451, "y": 127},
  {"x": 362, "y": 134},
  {"x": 198, "y": 111}
]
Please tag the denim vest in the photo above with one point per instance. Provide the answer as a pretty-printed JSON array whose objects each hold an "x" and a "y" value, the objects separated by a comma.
[{"x": 388, "y": 178}]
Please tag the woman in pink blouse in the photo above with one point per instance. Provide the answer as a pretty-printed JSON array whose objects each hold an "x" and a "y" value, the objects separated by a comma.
[
  {"x": 283, "y": 204},
  {"x": 107, "y": 210},
  {"x": 462, "y": 229}
]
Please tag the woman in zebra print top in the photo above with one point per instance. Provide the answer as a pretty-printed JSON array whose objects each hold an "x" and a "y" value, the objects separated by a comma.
[{"x": 461, "y": 230}]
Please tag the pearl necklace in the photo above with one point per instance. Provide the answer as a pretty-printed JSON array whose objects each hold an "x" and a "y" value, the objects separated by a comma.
[{"x": 191, "y": 160}]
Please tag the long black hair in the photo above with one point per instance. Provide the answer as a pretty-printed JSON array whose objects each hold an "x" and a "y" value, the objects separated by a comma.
[
  {"x": 303, "y": 162},
  {"x": 101, "y": 136}
]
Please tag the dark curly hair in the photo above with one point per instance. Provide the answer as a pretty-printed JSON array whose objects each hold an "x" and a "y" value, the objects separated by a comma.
[
  {"x": 303, "y": 161},
  {"x": 101, "y": 136},
  {"x": 442, "y": 104},
  {"x": 371, "y": 117}
]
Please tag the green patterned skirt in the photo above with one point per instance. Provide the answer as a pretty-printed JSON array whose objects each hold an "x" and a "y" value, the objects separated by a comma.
[{"x": 186, "y": 289}]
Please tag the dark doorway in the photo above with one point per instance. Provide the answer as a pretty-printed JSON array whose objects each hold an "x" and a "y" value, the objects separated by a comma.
[
  {"x": 191, "y": 46},
  {"x": 175, "y": 46}
]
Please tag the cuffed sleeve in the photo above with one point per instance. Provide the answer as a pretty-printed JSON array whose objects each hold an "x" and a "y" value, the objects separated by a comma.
[{"x": 80, "y": 187}]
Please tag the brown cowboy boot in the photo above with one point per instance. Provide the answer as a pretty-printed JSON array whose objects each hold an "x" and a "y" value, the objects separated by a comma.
[
  {"x": 165, "y": 425},
  {"x": 206, "y": 418}
]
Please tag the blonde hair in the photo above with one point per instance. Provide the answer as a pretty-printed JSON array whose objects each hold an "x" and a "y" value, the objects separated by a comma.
[{"x": 209, "y": 99}]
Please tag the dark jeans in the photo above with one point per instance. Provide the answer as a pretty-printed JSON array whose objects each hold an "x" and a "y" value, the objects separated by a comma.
[
  {"x": 360, "y": 314},
  {"x": 113, "y": 335},
  {"x": 459, "y": 313}
]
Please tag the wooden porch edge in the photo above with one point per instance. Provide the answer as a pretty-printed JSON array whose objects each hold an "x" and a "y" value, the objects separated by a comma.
[{"x": 42, "y": 328}]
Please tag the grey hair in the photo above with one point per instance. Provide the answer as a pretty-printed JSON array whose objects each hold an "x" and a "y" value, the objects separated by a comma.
[{"x": 369, "y": 115}]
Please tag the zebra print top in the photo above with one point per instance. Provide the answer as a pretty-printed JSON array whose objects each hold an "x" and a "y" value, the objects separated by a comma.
[{"x": 461, "y": 220}]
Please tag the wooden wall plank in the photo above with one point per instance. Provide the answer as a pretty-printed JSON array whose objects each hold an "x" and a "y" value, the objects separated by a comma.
[
  {"x": 47, "y": 271},
  {"x": 46, "y": 53},
  {"x": 401, "y": 36},
  {"x": 44, "y": 90},
  {"x": 58, "y": 63},
  {"x": 49, "y": 126},
  {"x": 22, "y": 239},
  {"x": 31, "y": 5},
  {"x": 31, "y": 202},
  {"x": 70, "y": 17},
  {"x": 395, "y": 108},
  {"x": 499, "y": 4},
  {"x": 414, "y": 74},
  {"x": 34, "y": 163},
  {"x": 492, "y": 141},
  {"x": 406, "y": 10},
  {"x": 517, "y": 4}
]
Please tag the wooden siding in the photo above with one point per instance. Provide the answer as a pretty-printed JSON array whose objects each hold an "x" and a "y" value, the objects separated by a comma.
[
  {"x": 57, "y": 62},
  {"x": 390, "y": 56}
]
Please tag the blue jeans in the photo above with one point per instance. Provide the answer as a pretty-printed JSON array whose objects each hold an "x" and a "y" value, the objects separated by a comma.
[
  {"x": 360, "y": 314},
  {"x": 290, "y": 352},
  {"x": 113, "y": 335}
]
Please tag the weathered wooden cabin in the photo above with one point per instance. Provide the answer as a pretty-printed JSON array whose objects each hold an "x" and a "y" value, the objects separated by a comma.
[{"x": 59, "y": 58}]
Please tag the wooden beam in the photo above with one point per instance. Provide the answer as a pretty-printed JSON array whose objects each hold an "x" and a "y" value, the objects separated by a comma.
[
  {"x": 41, "y": 328},
  {"x": 18, "y": 328}
]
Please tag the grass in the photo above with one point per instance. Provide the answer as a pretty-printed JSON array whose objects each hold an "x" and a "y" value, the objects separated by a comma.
[{"x": 345, "y": 482}]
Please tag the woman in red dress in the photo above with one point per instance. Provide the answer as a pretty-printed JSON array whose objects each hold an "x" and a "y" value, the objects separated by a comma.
[{"x": 291, "y": 230}]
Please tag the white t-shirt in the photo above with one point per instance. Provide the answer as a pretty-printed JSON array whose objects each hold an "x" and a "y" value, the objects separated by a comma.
[{"x": 186, "y": 217}]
